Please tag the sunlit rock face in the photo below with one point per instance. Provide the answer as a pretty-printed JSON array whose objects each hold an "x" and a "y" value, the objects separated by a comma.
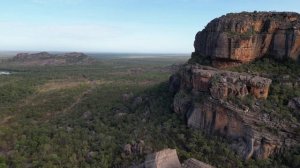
[
  {"x": 238, "y": 38},
  {"x": 204, "y": 97}
]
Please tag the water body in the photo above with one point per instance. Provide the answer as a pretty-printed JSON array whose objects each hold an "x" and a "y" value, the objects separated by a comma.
[{"x": 5, "y": 73}]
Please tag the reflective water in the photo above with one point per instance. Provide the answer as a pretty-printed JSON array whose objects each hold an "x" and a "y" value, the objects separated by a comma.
[{"x": 4, "y": 73}]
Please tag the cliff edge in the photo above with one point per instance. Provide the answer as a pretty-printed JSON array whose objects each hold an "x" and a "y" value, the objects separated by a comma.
[
  {"x": 238, "y": 38},
  {"x": 233, "y": 104}
]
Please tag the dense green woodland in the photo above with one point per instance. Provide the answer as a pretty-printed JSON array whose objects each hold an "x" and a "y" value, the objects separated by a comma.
[{"x": 70, "y": 116}]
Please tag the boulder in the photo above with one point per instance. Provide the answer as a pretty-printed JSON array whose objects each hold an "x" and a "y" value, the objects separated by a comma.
[
  {"x": 87, "y": 115},
  {"x": 127, "y": 96},
  {"x": 295, "y": 104},
  {"x": 135, "y": 148},
  {"x": 127, "y": 149},
  {"x": 166, "y": 158},
  {"x": 137, "y": 101}
]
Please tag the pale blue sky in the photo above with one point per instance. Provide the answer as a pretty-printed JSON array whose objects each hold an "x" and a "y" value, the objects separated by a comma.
[{"x": 159, "y": 26}]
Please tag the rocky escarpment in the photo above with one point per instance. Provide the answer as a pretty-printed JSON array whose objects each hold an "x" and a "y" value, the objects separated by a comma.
[
  {"x": 243, "y": 37},
  {"x": 205, "y": 97},
  {"x": 45, "y": 58}
]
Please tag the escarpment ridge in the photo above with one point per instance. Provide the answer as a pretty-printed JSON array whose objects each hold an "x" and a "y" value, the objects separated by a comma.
[
  {"x": 45, "y": 59},
  {"x": 230, "y": 104},
  {"x": 238, "y": 38},
  {"x": 205, "y": 97}
]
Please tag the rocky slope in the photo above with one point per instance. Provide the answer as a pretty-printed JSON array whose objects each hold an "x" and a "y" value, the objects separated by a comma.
[
  {"x": 243, "y": 37},
  {"x": 204, "y": 96},
  {"x": 225, "y": 103},
  {"x": 44, "y": 58}
]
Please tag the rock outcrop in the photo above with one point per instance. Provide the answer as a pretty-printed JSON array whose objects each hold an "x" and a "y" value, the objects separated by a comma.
[
  {"x": 45, "y": 58},
  {"x": 136, "y": 148},
  {"x": 243, "y": 37},
  {"x": 204, "y": 97},
  {"x": 221, "y": 84},
  {"x": 168, "y": 158},
  {"x": 295, "y": 104}
]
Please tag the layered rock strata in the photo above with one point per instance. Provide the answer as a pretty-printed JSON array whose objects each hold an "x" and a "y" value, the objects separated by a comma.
[
  {"x": 220, "y": 84},
  {"x": 243, "y": 37},
  {"x": 203, "y": 97}
]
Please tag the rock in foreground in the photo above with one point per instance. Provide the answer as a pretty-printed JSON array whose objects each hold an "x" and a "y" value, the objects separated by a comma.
[
  {"x": 193, "y": 163},
  {"x": 168, "y": 158},
  {"x": 243, "y": 37}
]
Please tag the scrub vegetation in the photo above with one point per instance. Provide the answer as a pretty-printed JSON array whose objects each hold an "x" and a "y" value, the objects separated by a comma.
[{"x": 83, "y": 116}]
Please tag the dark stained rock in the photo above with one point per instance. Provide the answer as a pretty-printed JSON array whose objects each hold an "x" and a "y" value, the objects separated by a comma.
[
  {"x": 182, "y": 102},
  {"x": 203, "y": 100},
  {"x": 243, "y": 37},
  {"x": 295, "y": 104},
  {"x": 137, "y": 101},
  {"x": 174, "y": 83},
  {"x": 243, "y": 127}
]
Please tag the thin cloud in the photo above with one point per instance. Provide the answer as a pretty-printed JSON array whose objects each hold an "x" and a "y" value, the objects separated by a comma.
[{"x": 44, "y": 2}]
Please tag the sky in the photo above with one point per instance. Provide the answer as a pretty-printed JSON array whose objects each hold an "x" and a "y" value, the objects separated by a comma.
[{"x": 140, "y": 26}]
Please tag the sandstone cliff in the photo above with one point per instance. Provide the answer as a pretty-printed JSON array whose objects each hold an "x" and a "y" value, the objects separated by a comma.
[
  {"x": 203, "y": 96},
  {"x": 243, "y": 37}
]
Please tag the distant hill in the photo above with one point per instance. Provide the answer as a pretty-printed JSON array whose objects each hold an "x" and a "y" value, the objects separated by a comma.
[{"x": 45, "y": 58}]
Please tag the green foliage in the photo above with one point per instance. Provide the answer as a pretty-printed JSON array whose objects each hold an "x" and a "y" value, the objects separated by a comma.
[
  {"x": 280, "y": 94},
  {"x": 246, "y": 35},
  {"x": 199, "y": 59},
  {"x": 38, "y": 131},
  {"x": 2, "y": 163}
]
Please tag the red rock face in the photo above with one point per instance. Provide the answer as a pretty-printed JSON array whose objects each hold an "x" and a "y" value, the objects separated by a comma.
[
  {"x": 221, "y": 84},
  {"x": 202, "y": 98},
  {"x": 244, "y": 37}
]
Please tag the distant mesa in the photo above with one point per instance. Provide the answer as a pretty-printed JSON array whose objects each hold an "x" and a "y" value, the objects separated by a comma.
[
  {"x": 45, "y": 58},
  {"x": 238, "y": 38}
]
